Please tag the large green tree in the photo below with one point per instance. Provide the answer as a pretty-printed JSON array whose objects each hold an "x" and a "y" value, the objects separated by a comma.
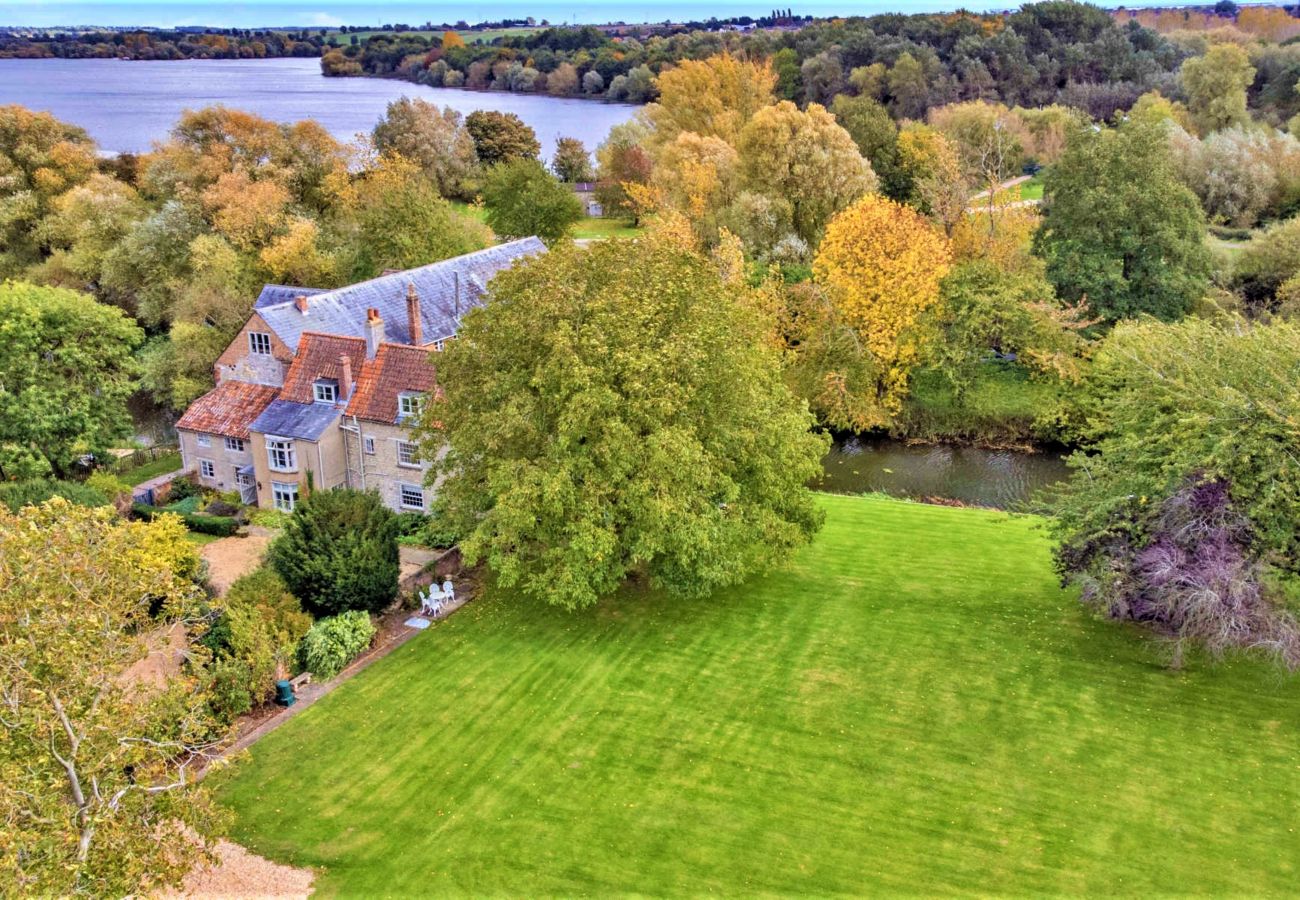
[
  {"x": 434, "y": 139},
  {"x": 99, "y": 749},
  {"x": 1120, "y": 229},
  {"x": 523, "y": 199},
  {"x": 66, "y": 371},
  {"x": 1215, "y": 84},
  {"x": 40, "y": 158},
  {"x": 500, "y": 137},
  {"x": 616, "y": 412}
]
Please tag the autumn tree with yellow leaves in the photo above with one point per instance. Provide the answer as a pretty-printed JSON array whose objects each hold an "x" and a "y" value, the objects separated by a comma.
[{"x": 881, "y": 264}]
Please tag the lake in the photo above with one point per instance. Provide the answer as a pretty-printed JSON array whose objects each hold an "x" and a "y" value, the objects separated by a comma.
[
  {"x": 127, "y": 105},
  {"x": 1005, "y": 479}
]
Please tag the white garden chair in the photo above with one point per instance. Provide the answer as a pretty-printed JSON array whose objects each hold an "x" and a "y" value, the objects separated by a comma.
[
  {"x": 431, "y": 602},
  {"x": 448, "y": 593}
]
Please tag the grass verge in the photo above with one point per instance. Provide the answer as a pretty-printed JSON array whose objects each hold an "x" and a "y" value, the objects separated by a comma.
[{"x": 160, "y": 466}]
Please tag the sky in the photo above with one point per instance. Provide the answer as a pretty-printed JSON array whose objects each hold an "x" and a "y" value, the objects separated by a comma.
[{"x": 171, "y": 13}]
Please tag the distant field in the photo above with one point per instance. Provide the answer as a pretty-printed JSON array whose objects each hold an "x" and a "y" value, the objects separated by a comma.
[{"x": 469, "y": 37}]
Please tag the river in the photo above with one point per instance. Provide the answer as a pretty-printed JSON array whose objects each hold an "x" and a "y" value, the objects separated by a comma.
[
  {"x": 127, "y": 105},
  {"x": 1006, "y": 479}
]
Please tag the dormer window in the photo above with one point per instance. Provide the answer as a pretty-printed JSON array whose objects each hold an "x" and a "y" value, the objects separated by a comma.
[
  {"x": 327, "y": 391},
  {"x": 259, "y": 342},
  {"x": 409, "y": 404}
]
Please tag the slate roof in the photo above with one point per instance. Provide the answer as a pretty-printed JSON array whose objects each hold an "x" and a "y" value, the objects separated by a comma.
[
  {"x": 273, "y": 294},
  {"x": 305, "y": 421},
  {"x": 318, "y": 357},
  {"x": 395, "y": 368},
  {"x": 228, "y": 409},
  {"x": 343, "y": 311}
]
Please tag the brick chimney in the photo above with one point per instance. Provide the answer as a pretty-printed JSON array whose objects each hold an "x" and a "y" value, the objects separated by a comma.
[
  {"x": 301, "y": 303},
  {"x": 374, "y": 332},
  {"x": 413, "y": 315},
  {"x": 345, "y": 376}
]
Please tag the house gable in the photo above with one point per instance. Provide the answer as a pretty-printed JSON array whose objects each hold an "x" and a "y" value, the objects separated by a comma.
[{"x": 239, "y": 362}]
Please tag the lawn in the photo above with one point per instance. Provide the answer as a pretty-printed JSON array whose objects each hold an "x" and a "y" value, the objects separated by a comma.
[
  {"x": 169, "y": 462},
  {"x": 911, "y": 705},
  {"x": 599, "y": 229},
  {"x": 1032, "y": 189}
]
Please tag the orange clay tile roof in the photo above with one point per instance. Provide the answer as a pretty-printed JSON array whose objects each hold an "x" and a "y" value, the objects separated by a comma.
[
  {"x": 318, "y": 357},
  {"x": 395, "y": 368},
  {"x": 228, "y": 409}
]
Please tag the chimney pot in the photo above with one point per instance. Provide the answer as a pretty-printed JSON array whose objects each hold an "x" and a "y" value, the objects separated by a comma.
[
  {"x": 301, "y": 303},
  {"x": 413, "y": 323}
]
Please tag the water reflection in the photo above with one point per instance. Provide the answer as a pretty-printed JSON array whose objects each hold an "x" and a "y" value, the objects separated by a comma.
[{"x": 1005, "y": 479}]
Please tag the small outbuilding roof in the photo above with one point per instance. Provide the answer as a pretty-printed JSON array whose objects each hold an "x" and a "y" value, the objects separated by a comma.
[{"x": 228, "y": 409}]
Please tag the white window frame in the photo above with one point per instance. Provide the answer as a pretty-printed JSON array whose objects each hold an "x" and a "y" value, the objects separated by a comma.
[
  {"x": 284, "y": 495},
  {"x": 402, "y": 488},
  {"x": 413, "y": 462},
  {"x": 409, "y": 403},
  {"x": 369, "y": 444},
  {"x": 235, "y": 445},
  {"x": 203, "y": 440},
  {"x": 259, "y": 343},
  {"x": 325, "y": 390},
  {"x": 207, "y": 468},
  {"x": 281, "y": 448}
]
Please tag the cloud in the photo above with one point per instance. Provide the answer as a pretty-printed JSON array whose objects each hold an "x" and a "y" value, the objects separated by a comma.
[{"x": 325, "y": 20}]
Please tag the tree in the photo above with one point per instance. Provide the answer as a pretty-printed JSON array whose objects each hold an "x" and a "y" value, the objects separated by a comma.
[
  {"x": 403, "y": 222},
  {"x": 1119, "y": 229},
  {"x": 40, "y": 158},
  {"x": 572, "y": 162},
  {"x": 622, "y": 160},
  {"x": 451, "y": 41},
  {"x": 881, "y": 264},
  {"x": 66, "y": 371},
  {"x": 97, "y": 764},
  {"x": 932, "y": 174},
  {"x": 985, "y": 309},
  {"x": 500, "y": 137},
  {"x": 874, "y": 131},
  {"x": 805, "y": 157},
  {"x": 339, "y": 552},
  {"x": 1216, "y": 84},
  {"x": 908, "y": 87},
  {"x": 523, "y": 199},
  {"x": 713, "y": 97},
  {"x": 1183, "y": 510},
  {"x": 617, "y": 412},
  {"x": 435, "y": 140},
  {"x": 989, "y": 140},
  {"x": 1267, "y": 262},
  {"x": 697, "y": 176},
  {"x": 563, "y": 82}
]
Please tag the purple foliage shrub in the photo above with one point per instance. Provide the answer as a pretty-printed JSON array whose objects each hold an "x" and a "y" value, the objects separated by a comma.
[{"x": 1197, "y": 578}]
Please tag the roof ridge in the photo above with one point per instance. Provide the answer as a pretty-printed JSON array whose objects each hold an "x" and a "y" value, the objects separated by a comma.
[
  {"x": 425, "y": 267},
  {"x": 331, "y": 334}
]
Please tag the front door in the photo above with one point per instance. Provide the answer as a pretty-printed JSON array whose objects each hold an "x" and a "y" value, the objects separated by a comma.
[{"x": 247, "y": 487}]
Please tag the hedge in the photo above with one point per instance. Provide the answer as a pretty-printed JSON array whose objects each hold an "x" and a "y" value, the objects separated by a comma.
[{"x": 221, "y": 526}]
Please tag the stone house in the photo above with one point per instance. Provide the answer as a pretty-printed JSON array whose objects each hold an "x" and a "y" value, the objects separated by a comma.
[{"x": 319, "y": 387}]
